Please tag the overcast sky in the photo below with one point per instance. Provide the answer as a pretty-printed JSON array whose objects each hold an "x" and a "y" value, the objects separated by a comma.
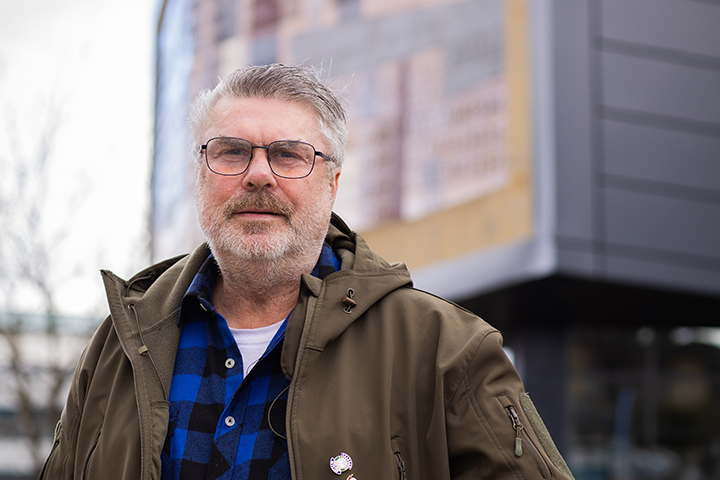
[{"x": 93, "y": 60}]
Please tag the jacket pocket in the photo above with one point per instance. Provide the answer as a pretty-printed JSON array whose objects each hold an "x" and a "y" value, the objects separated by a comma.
[
  {"x": 89, "y": 457},
  {"x": 402, "y": 473},
  {"x": 523, "y": 444}
]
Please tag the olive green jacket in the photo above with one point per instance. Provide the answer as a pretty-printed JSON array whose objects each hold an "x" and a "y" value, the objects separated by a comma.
[{"x": 408, "y": 385}]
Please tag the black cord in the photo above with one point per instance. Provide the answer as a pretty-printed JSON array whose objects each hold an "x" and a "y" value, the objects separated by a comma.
[{"x": 284, "y": 437}]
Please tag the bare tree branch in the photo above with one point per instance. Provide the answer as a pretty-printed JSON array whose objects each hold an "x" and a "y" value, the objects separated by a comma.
[{"x": 27, "y": 248}]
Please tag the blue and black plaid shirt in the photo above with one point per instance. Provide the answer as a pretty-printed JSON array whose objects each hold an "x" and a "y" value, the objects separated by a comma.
[{"x": 218, "y": 420}]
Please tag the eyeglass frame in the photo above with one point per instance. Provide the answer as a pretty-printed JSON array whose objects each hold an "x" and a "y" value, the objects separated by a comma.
[{"x": 267, "y": 156}]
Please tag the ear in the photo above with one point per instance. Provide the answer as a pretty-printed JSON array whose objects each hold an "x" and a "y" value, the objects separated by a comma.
[{"x": 334, "y": 181}]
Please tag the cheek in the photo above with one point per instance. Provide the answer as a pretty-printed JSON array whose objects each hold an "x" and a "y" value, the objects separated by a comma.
[
  {"x": 217, "y": 189},
  {"x": 321, "y": 198},
  {"x": 208, "y": 197}
]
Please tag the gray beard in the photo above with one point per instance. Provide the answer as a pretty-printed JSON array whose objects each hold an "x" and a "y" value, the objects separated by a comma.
[{"x": 252, "y": 252}]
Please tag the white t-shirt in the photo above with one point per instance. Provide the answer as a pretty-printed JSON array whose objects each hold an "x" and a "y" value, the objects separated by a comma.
[{"x": 253, "y": 342}]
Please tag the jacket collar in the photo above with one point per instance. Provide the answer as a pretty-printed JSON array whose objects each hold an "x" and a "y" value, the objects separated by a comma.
[
  {"x": 141, "y": 306},
  {"x": 145, "y": 309},
  {"x": 323, "y": 312}
]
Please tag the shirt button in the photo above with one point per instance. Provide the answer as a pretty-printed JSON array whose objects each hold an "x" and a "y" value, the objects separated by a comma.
[
  {"x": 229, "y": 421},
  {"x": 229, "y": 363}
]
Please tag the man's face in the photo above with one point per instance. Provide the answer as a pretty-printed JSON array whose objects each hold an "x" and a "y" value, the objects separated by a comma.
[{"x": 257, "y": 215}]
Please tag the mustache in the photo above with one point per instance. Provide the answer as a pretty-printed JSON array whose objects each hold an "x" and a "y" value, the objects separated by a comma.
[{"x": 262, "y": 201}]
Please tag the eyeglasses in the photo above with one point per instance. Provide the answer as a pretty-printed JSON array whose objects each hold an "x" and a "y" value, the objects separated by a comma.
[{"x": 287, "y": 158}]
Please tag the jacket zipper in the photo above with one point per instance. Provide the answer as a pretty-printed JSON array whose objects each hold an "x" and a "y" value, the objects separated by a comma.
[
  {"x": 56, "y": 442},
  {"x": 89, "y": 457},
  {"x": 401, "y": 466},
  {"x": 522, "y": 439}
]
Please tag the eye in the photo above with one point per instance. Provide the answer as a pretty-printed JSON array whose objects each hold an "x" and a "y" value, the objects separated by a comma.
[
  {"x": 289, "y": 152},
  {"x": 234, "y": 152},
  {"x": 285, "y": 154},
  {"x": 229, "y": 148},
  {"x": 234, "y": 149}
]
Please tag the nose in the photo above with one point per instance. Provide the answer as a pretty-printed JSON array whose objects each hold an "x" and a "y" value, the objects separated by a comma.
[{"x": 258, "y": 174}]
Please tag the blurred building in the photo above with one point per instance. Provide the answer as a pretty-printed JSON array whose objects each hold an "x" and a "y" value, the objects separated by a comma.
[{"x": 554, "y": 166}]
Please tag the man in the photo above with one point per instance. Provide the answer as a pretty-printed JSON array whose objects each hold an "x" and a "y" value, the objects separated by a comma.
[{"x": 284, "y": 347}]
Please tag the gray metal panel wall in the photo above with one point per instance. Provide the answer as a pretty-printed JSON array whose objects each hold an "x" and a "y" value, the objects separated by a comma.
[
  {"x": 638, "y": 141},
  {"x": 575, "y": 202}
]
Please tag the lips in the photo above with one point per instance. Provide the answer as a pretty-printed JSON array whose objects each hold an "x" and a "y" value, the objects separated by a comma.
[{"x": 258, "y": 212}]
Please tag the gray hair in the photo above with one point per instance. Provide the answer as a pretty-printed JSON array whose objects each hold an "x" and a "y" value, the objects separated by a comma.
[{"x": 277, "y": 81}]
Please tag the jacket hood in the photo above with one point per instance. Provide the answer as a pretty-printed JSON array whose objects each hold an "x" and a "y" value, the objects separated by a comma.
[
  {"x": 142, "y": 306},
  {"x": 363, "y": 279},
  {"x": 163, "y": 285},
  {"x": 147, "y": 301}
]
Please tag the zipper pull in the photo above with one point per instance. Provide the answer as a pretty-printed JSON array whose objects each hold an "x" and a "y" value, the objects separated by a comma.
[
  {"x": 517, "y": 426},
  {"x": 518, "y": 445}
]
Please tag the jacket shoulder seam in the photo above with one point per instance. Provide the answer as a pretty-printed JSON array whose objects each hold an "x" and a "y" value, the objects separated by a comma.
[{"x": 463, "y": 377}]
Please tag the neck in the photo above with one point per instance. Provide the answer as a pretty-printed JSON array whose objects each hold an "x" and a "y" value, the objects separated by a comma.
[{"x": 254, "y": 294}]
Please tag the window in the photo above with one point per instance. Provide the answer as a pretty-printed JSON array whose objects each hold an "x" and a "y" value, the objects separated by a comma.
[{"x": 643, "y": 403}]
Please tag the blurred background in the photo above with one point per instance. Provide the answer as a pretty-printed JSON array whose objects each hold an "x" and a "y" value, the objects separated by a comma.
[{"x": 553, "y": 166}]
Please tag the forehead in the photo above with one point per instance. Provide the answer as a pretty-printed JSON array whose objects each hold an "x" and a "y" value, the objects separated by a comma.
[{"x": 265, "y": 119}]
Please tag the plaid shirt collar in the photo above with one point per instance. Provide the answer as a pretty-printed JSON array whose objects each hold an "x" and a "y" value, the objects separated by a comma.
[
  {"x": 223, "y": 426},
  {"x": 203, "y": 283}
]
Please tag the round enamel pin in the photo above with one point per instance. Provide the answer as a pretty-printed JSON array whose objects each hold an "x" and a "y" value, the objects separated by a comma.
[{"x": 341, "y": 463}]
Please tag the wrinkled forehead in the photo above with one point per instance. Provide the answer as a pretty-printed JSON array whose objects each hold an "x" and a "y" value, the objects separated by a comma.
[
  {"x": 263, "y": 120},
  {"x": 230, "y": 107}
]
